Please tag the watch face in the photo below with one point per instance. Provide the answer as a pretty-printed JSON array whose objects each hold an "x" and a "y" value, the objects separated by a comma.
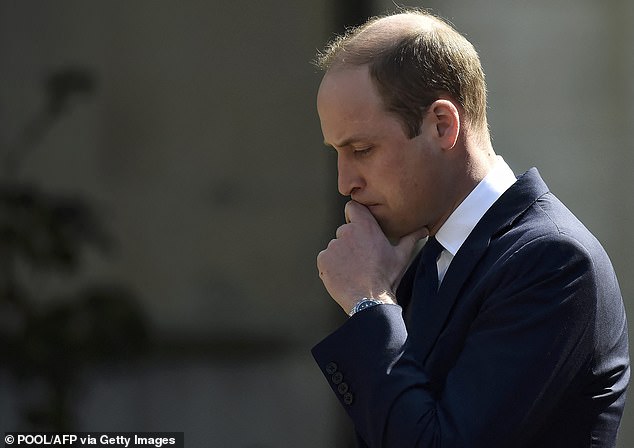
[
  {"x": 363, "y": 304},
  {"x": 366, "y": 304}
]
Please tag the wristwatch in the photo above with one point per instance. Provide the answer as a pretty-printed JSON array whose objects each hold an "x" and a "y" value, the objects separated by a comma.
[{"x": 363, "y": 304}]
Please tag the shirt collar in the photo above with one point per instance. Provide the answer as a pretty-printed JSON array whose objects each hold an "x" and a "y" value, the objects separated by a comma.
[{"x": 464, "y": 218}]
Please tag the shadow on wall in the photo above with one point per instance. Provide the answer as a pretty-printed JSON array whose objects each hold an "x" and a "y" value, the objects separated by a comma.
[{"x": 46, "y": 338}]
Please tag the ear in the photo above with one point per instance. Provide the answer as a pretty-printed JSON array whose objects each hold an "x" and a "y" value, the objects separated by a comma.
[{"x": 446, "y": 119}]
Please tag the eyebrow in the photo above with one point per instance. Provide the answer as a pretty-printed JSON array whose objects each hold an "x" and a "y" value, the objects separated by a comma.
[{"x": 347, "y": 142}]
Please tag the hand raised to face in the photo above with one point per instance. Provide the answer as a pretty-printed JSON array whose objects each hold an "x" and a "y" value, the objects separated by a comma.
[{"x": 361, "y": 262}]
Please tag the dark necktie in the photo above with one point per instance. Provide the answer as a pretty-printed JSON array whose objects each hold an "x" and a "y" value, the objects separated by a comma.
[
  {"x": 429, "y": 260},
  {"x": 425, "y": 289}
]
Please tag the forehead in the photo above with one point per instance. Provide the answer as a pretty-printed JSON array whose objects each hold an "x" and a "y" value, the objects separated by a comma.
[
  {"x": 348, "y": 103},
  {"x": 343, "y": 86}
]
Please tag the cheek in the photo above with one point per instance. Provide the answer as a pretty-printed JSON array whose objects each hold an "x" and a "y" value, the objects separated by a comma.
[
  {"x": 410, "y": 188},
  {"x": 415, "y": 199},
  {"x": 405, "y": 204}
]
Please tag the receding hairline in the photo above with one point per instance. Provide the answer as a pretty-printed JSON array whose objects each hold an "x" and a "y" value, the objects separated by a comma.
[
  {"x": 381, "y": 31},
  {"x": 405, "y": 23}
]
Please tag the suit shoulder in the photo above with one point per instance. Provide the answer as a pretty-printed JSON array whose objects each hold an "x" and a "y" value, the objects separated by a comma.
[
  {"x": 549, "y": 237},
  {"x": 549, "y": 222}
]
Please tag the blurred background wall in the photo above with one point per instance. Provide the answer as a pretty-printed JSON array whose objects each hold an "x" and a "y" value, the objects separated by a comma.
[{"x": 188, "y": 129}]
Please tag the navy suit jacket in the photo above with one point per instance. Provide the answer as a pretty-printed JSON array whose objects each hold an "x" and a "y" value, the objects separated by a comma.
[{"x": 526, "y": 345}]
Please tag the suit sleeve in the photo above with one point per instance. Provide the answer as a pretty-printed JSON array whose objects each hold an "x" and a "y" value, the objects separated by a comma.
[{"x": 532, "y": 334}]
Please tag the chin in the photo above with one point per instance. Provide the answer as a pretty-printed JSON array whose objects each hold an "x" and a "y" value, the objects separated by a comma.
[
  {"x": 390, "y": 232},
  {"x": 394, "y": 234}
]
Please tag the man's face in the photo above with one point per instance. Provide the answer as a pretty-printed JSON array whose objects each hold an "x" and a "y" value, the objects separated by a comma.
[{"x": 401, "y": 180}]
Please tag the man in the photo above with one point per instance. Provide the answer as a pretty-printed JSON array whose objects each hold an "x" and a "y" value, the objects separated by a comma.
[{"x": 513, "y": 333}]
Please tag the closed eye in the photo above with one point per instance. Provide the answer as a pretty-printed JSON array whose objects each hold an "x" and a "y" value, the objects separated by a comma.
[{"x": 361, "y": 152}]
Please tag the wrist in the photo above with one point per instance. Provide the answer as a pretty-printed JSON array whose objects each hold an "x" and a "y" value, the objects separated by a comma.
[
  {"x": 384, "y": 298},
  {"x": 387, "y": 297},
  {"x": 364, "y": 304}
]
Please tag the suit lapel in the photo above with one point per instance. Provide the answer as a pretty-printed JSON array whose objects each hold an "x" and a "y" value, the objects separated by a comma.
[{"x": 501, "y": 215}]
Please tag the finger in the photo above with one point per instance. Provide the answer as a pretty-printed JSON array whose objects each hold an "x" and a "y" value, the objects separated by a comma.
[
  {"x": 320, "y": 262},
  {"x": 357, "y": 212},
  {"x": 340, "y": 230},
  {"x": 346, "y": 211}
]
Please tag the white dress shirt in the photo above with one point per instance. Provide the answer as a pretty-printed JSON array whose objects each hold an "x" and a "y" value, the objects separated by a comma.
[{"x": 464, "y": 218}]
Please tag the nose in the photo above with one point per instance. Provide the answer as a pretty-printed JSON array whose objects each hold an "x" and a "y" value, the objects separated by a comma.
[{"x": 350, "y": 178}]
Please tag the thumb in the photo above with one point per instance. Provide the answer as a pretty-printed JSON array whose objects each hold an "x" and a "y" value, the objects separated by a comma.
[
  {"x": 405, "y": 249},
  {"x": 407, "y": 243}
]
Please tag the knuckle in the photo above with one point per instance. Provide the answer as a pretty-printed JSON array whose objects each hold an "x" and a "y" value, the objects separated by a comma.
[
  {"x": 345, "y": 231},
  {"x": 323, "y": 255}
]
